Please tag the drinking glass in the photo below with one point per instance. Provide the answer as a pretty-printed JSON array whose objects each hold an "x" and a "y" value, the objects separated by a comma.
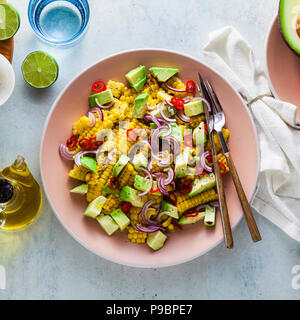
[{"x": 59, "y": 22}]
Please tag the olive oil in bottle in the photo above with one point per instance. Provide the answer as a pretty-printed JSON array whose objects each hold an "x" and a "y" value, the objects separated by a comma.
[{"x": 20, "y": 196}]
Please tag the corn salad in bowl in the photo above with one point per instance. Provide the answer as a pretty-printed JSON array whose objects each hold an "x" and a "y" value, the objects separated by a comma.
[{"x": 142, "y": 158}]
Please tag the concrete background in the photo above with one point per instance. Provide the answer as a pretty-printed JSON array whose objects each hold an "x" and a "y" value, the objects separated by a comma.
[{"x": 43, "y": 261}]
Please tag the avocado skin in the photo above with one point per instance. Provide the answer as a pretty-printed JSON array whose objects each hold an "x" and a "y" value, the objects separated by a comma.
[{"x": 281, "y": 32}]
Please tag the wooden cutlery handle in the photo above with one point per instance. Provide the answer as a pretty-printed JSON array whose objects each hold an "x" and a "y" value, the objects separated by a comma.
[
  {"x": 244, "y": 202},
  {"x": 224, "y": 214}
]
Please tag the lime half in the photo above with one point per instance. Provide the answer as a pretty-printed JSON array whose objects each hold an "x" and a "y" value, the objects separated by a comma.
[
  {"x": 9, "y": 21},
  {"x": 40, "y": 69}
]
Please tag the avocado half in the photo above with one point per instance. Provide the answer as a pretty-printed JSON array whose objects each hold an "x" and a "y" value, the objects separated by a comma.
[{"x": 289, "y": 23}]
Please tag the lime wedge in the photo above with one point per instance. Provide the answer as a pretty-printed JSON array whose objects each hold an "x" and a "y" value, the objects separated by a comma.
[
  {"x": 9, "y": 21},
  {"x": 39, "y": 69}
]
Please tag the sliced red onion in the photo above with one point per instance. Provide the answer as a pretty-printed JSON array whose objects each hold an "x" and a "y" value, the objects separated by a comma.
[
  {"x": 151, "y": 108},
  {"x": 160, "y": 215},
  {"x": 164, "y": 116},
  {"x": 65, "y": 152},
  {"x": 80, "y": 154},
  {"x": 173, "y": 89},
  {"x": 204, "y": 100},
  {"x": 161, "y": 187},
  {"x": 169, "y": 103},
  {"x": 144, "y": 215},
  {"x": 99, "y": 112},
  {"x": 149, "y": 229},
  {"x": 200, "y": 207},
  {"x": 203, "y": 163},
  {"x": 175, "y": 145},
  {"x": 170, "y": 178},
  {"x": 169, "y": 128},
  {"x": 110, "y": 154},
  {"x": 158, "y": 173},
  {"x": 151, "y": 182},
  {"x": 92, "y": 118},
  {"x": 106, "y": 106},
  {"x": 215, "y": 203},
  {"x": 153, "y": 119},
  {"x": 182, "y": 116}
]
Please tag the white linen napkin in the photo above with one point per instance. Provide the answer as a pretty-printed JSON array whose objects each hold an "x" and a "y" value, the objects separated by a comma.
[{"x": 278, "y": 192}]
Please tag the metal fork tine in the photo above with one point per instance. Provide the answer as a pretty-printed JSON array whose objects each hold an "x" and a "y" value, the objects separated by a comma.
[
  {"x": 215, "y": 96},
  {"x": 214, "y": 109}
]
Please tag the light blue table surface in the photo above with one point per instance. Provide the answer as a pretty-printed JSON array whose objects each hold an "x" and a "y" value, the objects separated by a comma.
[{"x": 43, "y": 261}]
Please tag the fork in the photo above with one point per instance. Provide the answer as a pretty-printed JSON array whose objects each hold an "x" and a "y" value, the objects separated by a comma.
[
  {"x": 227, "y": 232},
  {"x": 219, "y": 122}
]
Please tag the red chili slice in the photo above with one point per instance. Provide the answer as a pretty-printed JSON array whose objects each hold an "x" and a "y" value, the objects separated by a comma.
[
  {"x": 95, "y": 144},
  {"x": 191, "y": 213},
  {"x": 178, "y": 103},
  {"x": 126, "y": 207},
  {"x": 114, "y": 184},
  {"x": 98, "y": 86},
  {"x": 131, "y": 135},
  {"x": 177, "y": 225},
  {"x": 154, "y": 191},
  {"x": 190, "y": 86},
  {"x": 172, "y": 198},
  {"x": 188, "y": 140},
  {"x": 84, "y": 144},
  {"x": 206, "y": 128},
  {"x": 223, "y": 167},
  {"x": 200, "y": 170},
  {"x": 183, "y": 186},
  {"x": 71, "y": 143}
]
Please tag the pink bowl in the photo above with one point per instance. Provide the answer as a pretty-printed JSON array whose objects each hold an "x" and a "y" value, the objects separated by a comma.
[
  {"x": 181, "y": 246},
  {"x": 283, "y": 67}
]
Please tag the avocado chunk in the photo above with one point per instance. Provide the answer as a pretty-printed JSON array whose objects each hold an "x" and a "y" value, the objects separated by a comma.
[
  {"x": 173, "y": 211},
  {"x": 156, "y": 112},
  {"x": 137, "y": 78},
  {"x": 94, "y": 208},
  {"x": 120, "y": 165},
  {"x": 162, "y": 96},
  {"x": 210, "y": 216},
  {"x": 103, "y": 97},
  {"x": 82, "y": 189},
  {"x": 143, "y": 184},
  {"x": 120, "y": 218},
  {"x": 289, "y": 22},
  {"x": 163, "y": 74},
  {"x": 131, "y": 195},
  {"x": 176, "y": 131},
  {"x": 190, "y": 220},
  {"x": 108, "y": 190},
  {"x": 89, "y": 163},
  {"x": 140, "y": 106},
  {"x": 199, "y": 135},
  {"x": 108, "y": 224},
  {"x": 202, "y": 184},
  {"x": 193, "y": 108},
  {"x": 156, "y": 240},
  {"x": 139, "y": 161},
  {"x": 181, "y": 163}
]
